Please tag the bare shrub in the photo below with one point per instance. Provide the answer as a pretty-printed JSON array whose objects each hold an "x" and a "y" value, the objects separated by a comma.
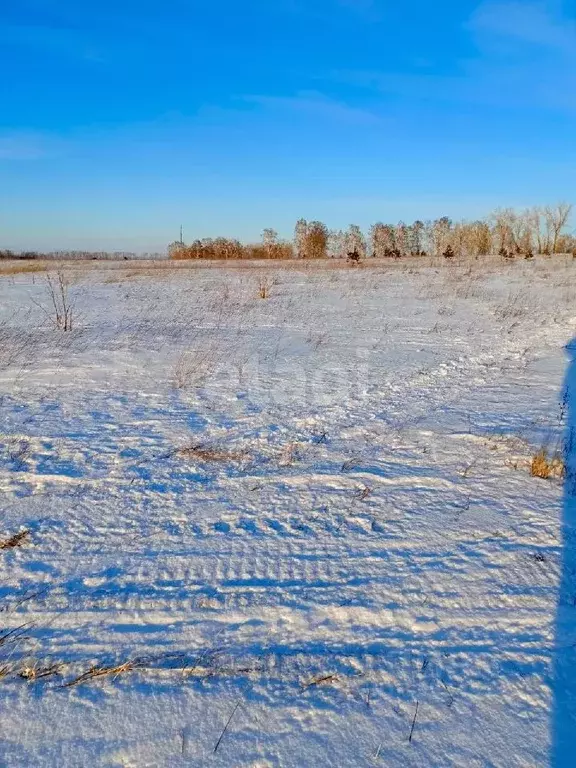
[
  {"x": 515, "y": 306},
  {"x": 58, "y": 287},
  {"x": 194, "y": 366},
  {"x": 15, "y": 345},
  {"x": 61, "y": 311}
]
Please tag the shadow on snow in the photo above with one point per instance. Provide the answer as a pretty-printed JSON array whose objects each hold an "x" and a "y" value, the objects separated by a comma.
[{"x": 564, "y": 668}]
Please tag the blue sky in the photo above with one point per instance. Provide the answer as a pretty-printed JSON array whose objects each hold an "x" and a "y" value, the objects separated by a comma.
[{"x": 120, "y": 120}]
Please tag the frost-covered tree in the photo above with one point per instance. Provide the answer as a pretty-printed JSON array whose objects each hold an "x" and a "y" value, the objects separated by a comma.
[
  {"x": 402, "y": 239},
  {"x": 300, "y": 235},
  {"x": 355, "y": 241},
  {"x": 441, "y": 232},
  {"x": 556, "y": 219},
  {"x": 416, "y": 238},
  {"x": 316, "y": 240},
  {"x": 336, "y": 244},
  {"x": 270, "y": 242},
  {"x": 378, "y": 240}
]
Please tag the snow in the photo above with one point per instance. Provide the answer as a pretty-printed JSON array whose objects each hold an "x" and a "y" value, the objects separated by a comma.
[{"x": 299, "y": 517}]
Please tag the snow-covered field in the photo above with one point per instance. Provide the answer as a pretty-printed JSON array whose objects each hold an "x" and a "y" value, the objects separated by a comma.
[{"x": 291, "y": 531}]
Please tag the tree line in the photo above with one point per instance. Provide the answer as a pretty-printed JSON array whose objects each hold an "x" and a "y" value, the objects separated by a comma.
[
  {"x": 506, "y": 232},
  {"x": 76, "y": 255}
]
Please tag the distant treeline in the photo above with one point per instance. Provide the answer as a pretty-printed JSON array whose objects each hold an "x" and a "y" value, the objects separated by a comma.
[
  {"x": 78, "y": 255},
  {"x": 225, "y": 248},
  {"x": 506, "y": 232},
  {"x": 510, "y": 233}
]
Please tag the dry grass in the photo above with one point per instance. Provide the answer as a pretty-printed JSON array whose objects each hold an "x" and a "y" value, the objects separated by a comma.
[
  {"x": 362, "y": 493},
  {"x": 122, "y": 275},
  {"x": 264, "y": 285},
  {"x": 316, "y": 339},
  {"x": 289, "y": 454},
  {"x": 14, "y": 541},
  {"x": 516, "y": 306},
  {"x": 13, "y": 636},
  {"x": 207, "y": 454},
  {"x": 95, "y": 672},
  {"x": 33, "y": 671},
  {"x": 20, "y": 269},
  {"x": 323, "y": 680},
  {"x": 546, "y": 465}
]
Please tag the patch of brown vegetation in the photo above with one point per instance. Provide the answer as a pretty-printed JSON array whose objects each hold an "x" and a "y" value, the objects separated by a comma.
[
  {"x": 18, "y": 269},
  {"x": 94, "y": 672},
  {"x": 203, "y": 453},
  {"x": 14, "y": 541},
  {"x": 547, "y": 466}
]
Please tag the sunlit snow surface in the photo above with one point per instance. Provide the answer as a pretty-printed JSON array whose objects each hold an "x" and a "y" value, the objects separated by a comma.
[{"x": 311, "y": 512}]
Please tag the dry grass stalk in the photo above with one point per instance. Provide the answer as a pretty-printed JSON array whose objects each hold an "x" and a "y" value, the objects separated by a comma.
[
  {"x": 13, "y": 635},
  {"x": 320, "y": 681},
  {"x": 34, "y": 672},
  {"x": 413, "y": 722},
  {"x": 363, "y": 493},
  {"x": 203, "y": 453},
  {"x": 94, "y": 672},
  {"x": 14, "y": 541},
  {"x": 264, "y": 285},
  {"x": 290, "y": 453},
  {"x": 226, "y": 726}
]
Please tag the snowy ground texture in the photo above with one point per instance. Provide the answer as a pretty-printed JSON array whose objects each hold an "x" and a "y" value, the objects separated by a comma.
[{"x": 291, "y": 531}]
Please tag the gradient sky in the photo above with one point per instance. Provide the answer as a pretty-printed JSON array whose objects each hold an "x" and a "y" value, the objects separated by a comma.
[{"x": 122, "y": 119}]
